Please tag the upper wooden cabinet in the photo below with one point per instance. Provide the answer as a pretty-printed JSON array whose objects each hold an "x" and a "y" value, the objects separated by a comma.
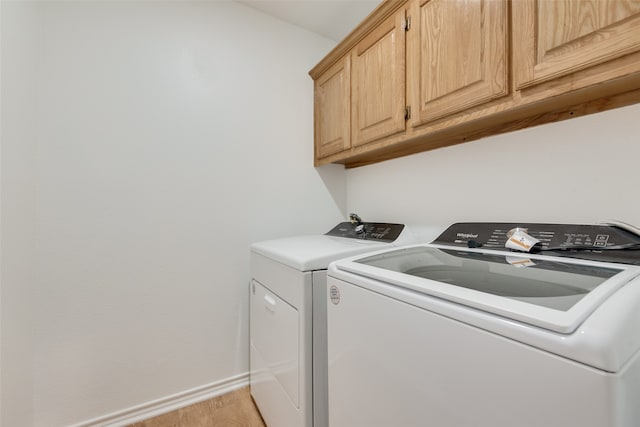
[
  {"x": 332, "y": 109},
  {"x": 423, "y": 74},
  {"x": 378, "y": 85},
  {"x": 458, "y": 56},
  {"x": 555, "y": 38}
]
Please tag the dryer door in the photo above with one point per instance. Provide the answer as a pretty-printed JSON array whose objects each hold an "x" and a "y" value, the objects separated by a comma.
[
  {"x": 274, "y": 343},
  {"x": 280, "y": 342}
]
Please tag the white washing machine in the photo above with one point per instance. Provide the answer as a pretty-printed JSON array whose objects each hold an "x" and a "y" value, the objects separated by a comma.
[
  {"x": 288, "y": 317},
  {"x": 465, "y": 333}
]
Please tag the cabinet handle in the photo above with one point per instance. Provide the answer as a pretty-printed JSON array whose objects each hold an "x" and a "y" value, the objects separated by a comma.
[{"x": 270, "y": 303}]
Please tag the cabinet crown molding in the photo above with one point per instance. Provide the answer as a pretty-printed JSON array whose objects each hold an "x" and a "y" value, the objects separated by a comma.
[{"x": 378, "y": 15}]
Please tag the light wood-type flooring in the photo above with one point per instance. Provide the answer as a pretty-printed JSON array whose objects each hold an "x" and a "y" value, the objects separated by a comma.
[{"x": 235, "y": 409}]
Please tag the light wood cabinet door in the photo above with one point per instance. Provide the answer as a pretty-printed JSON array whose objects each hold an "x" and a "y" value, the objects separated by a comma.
[
  {"x": 332, "y": 109},
  {"x": 458, "y": 56},
  {"x": 378, "y": 67},
  {"x": 553, "y": 38}
]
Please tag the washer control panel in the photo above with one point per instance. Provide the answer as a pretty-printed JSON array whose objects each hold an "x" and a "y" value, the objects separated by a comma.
[
  {"x": 612, "y": 243},
  {"x": 378, "y": 231}
]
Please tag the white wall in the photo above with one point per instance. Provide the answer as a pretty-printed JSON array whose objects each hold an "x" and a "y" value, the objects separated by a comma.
[
  {"x": 579, "y": 171},
  {"x": 163, "y": 138},
  {"x": 146, "y": 144},
  {"x": 18, "y": 94}
]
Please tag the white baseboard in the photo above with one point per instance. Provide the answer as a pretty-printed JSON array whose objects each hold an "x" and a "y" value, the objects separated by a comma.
[{"x": 167, "y": 404}]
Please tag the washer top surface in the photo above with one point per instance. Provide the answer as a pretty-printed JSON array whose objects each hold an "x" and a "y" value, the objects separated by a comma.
[
  {"x": 563, "y": 299},
  {"x": 314, "y": 252},
  {"x": 552, "y": 293}
]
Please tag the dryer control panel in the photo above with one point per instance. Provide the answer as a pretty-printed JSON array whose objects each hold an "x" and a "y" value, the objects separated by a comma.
[
  {"x": 611, "y": 243},
  {"x": 377, "y": 231}
]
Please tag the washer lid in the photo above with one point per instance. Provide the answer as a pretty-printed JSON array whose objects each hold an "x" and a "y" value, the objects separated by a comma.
[{"x": 548, "y": 292}]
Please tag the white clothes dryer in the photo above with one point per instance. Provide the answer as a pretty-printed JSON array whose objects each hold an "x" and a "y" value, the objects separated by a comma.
[
  {"x": 463, "y": 332},
  {"x": 288, "y": 359}
]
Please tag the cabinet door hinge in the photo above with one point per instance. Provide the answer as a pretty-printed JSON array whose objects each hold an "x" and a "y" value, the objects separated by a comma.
[
  {"x": 406, "y": 24},
  {"x": 407, "y": 112}
]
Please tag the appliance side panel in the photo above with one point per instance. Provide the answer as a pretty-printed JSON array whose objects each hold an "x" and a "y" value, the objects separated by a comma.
[
  {"x": 392, "y": 363},
  {"x": 319, "y": 284},
  {"x": 628, "y": 394}
]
